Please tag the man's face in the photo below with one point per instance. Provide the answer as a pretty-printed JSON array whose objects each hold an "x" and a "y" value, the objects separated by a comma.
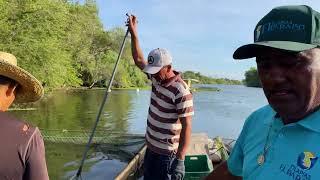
[
  {"x": 7, "y": 96},
  {"x": 291, "y": 81},
  {"x": 161, "y": 75}
]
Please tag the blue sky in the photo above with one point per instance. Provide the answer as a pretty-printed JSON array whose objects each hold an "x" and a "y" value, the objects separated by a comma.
[{"x": 200, "y": 34}]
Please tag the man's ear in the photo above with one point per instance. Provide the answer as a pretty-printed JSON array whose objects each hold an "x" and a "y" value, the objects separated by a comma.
[
  {"x": 169, "y": 68},
  {"x": 11, "y": 89}
]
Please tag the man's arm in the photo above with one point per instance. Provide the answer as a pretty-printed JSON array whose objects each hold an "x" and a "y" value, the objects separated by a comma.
[
  {"x": 222, "y": 172},
  {"x": 185, "y": 136},
  {"x": 137, "y": 53},
  {"x": 36, "y": 168}
]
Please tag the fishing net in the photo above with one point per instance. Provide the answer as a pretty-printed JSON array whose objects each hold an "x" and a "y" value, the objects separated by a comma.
[
  {"x": 108, "y": 142},
  {"x": 82, "y": 136},
  {"x": 109, "y": 153}
]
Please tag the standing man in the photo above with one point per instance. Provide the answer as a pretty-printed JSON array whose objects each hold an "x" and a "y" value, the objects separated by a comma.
[
  {"x": 282, "y": 140},
  {"x": 170, "y": 112},
  {"x": 22, "y": 153}
]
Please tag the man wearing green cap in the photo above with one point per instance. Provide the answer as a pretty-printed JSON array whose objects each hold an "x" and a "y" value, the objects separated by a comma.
[{"x": 281, "y": 140}]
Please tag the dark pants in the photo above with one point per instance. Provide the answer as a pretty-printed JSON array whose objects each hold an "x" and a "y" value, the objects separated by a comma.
[{"x": 157, "y": 166}]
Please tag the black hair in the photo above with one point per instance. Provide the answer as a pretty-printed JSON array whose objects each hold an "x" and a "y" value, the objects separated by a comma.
[{"x": 5, "y": 80}]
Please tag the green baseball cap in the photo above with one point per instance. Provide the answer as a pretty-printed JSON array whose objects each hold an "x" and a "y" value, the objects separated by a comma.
[{"x": 290, "y": 28}]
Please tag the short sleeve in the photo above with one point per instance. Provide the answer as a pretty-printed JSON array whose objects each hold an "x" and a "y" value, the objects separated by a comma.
[
  {"x": 36, "y": 168},
  {"x": 184, "y": 103},
  {"x": 235, "y": 160}
]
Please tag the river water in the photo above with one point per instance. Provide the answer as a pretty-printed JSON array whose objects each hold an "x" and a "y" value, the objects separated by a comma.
[{"x": 217, "y": 113}]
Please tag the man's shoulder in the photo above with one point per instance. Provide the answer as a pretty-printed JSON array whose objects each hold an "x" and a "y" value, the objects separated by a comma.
[
  {"x": 181, "y": 86},
  {"x": 17, "y": 128},
  {"x": 267, "y": 109},
  {"x": 262, "y": 115}
]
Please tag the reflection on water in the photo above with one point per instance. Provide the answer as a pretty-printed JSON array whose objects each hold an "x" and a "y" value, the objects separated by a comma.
[
  {"x": 223, "y": 113},
  {"x": 63, "y": 161},
  {"x": 78, "y": 110},
  {"x": 216, "y": 113}
]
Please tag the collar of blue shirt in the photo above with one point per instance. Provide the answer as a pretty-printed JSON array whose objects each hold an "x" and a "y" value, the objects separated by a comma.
[{"x": 311, "y": 122}]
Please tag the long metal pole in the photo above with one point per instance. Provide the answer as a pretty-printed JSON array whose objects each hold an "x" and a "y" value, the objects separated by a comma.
[{"x": 101, "y": 108}]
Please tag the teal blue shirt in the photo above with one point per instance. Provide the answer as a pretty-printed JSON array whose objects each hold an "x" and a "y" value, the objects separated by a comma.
[{"x": 292, "y": 149}]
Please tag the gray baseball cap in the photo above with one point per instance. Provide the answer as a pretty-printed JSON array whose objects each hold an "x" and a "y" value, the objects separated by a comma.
[{"x": 157, "y": 59}]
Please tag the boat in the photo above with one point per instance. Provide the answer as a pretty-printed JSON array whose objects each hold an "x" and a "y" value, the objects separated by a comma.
[{"x": 203, "y": 156}]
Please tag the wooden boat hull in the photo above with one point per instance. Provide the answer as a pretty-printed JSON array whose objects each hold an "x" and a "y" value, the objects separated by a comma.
[
  {"x": 131, "y": 171},
  {"x": 202, "y": 156}
]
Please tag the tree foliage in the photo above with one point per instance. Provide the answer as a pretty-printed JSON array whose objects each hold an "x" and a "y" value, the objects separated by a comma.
[
  {"x": 208, "y": 80},
  {"x": 252, "y": 78},
  {"x": 63, "y": 43}
]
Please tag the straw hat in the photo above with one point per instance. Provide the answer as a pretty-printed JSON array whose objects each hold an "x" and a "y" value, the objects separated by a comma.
[{"x": 30, "y": 88}]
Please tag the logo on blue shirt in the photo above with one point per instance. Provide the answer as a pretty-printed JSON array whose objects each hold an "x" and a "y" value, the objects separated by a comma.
[{"x": 306, "y": 160}]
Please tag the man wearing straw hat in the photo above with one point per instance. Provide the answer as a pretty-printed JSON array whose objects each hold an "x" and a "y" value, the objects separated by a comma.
[
  {"x": 170, "y": 113},
  {"x": 282, "y": 140},
  {"x": 22, "y": 153}
]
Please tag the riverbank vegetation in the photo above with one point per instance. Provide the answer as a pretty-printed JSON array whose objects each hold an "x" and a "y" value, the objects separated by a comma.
[
  {"x": 208, "y": 80},
  {"x": 63, "y": 44},
  {"x": 252, "y": 78}
]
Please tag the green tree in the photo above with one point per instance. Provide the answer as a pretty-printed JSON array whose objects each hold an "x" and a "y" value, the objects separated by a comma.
[
  {"x": 252, "y": 78},
  {"x": 208, "y": 80},
  {"x": 38, "y": 45},
  {"x": 63, "y": 43}
]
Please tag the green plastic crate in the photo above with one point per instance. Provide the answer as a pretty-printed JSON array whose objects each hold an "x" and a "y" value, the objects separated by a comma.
[{"x": 197, "y": 166}]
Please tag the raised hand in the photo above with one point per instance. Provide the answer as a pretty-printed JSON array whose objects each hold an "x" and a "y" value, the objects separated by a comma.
[{"x": 132, "y": 24}]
